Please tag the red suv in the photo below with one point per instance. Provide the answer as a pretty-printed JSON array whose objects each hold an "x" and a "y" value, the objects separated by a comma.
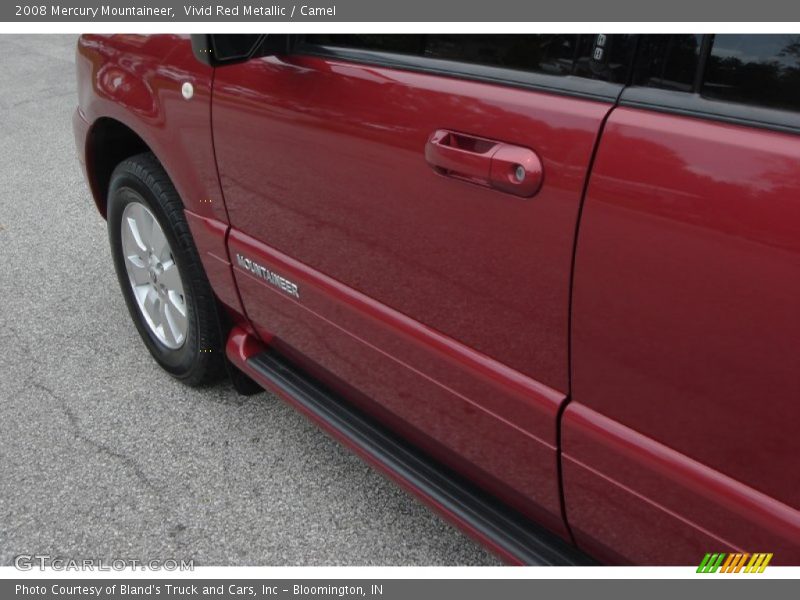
[{"x": 548, "y": 283}]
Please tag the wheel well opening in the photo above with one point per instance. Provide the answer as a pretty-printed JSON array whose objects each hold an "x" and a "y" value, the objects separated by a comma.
[{"x": 109, "y": 143}]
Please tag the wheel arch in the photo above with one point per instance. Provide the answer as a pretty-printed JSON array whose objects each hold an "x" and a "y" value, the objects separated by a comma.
[{"x": 108, "y": 143}]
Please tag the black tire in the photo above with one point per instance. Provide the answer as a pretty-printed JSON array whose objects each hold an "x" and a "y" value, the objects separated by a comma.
[{"x": 199, "y": 360}]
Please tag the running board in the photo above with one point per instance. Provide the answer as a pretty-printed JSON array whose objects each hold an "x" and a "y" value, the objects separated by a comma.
[{"x": 514, "y": 537}]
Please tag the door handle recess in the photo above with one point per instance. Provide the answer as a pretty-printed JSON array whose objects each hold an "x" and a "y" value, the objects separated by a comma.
[{"x": 504, "y": 167}]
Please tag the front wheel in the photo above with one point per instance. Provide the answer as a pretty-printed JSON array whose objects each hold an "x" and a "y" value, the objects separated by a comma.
[{"x": 160, "y": 273}]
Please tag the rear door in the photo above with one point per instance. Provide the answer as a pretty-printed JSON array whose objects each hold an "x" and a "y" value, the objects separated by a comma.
[
  {"x": 681, "y": 438},
  {"x": 404, "y": 211}
]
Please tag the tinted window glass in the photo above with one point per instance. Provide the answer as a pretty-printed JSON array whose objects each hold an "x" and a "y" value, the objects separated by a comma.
[
  {"x": 554, "y": 54},
  {"x": 668, "y": 61},
  {"x": 755, "y": 69},
  {"x": 404, "y": 44},
  {"x": 594, "y": 56},
  {"x": 235, "y": 45}
]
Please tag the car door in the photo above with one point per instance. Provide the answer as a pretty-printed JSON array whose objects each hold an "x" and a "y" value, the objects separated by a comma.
[
  {"x": 410, "y": 205},
  {"x": 681, "y": 438}
]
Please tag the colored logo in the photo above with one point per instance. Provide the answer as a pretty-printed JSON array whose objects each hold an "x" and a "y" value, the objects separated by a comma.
[{"x": 734, "y": 563}]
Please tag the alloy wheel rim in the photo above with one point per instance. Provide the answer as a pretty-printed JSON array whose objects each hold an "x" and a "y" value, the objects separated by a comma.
[{"x": 154, "y": 277}]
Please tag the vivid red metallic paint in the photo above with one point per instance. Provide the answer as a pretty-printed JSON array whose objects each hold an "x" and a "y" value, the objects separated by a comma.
[
  {"x": 686, "y": 376},
  {"x": 441, "y": 301},
  {"x": 210, "y": 236},
  {"x": 136, "y": 80},
  {"x": 325, "y": 161}
]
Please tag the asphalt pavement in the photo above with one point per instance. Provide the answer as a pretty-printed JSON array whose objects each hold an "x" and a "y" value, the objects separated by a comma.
[{"x": 103, "y": 455}]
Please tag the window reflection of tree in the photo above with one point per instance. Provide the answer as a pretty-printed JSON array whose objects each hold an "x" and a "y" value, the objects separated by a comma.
[
  {"x": 754, "y": 74},
  {"x": 669, "y": 61}
]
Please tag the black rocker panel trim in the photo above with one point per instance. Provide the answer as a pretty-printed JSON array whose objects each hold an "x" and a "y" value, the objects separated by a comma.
[{"x": 519, "y": 536}]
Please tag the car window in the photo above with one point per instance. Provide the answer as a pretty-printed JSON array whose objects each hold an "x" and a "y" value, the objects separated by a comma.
[
  {"x": 762, "y": 70},
  {"x": 756, "y": 70},
  {"x": 594, "y": 56},
  {"x": 553, "y": 54},
  {"x": 668, "y": 61},
  {"x": 400, "y": 43}
]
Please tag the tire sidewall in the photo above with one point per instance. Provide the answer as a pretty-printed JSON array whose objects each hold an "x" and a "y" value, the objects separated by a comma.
[{"x": 126, "y": 187}]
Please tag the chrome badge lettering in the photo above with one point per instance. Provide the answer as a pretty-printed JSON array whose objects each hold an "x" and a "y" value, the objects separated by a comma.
[{"x": 271, "y": 278}]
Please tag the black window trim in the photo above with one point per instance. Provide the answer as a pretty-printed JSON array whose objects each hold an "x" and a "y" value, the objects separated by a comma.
[
  {"x": 565, "y": 85},
  {"x": 694, "y": 105}
]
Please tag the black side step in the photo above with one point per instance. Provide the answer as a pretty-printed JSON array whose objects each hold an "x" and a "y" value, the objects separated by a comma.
[{"x": 517, "y": 535}]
